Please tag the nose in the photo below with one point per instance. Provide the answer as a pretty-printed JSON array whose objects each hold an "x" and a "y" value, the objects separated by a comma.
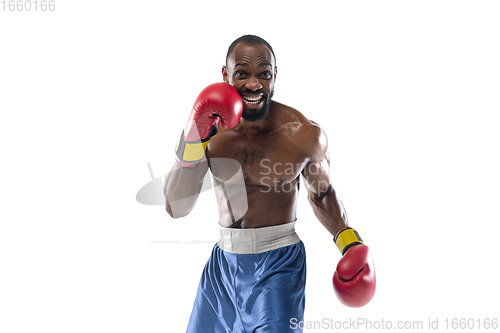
[{"x": 253, "y": 84}]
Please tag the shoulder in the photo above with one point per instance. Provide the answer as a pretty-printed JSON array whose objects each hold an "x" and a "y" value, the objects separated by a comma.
[{"x": 307, "y": 135}]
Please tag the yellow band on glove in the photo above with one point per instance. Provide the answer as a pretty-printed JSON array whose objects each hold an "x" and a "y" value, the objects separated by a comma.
[
  {"x": 192, "y": 152},
  {"x": 347, "y": 238}
]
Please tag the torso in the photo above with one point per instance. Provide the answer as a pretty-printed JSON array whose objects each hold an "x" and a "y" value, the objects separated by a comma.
[{"x": 264, "y": 191}]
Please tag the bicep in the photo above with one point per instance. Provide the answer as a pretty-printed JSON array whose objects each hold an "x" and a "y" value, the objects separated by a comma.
[
  {"x": 316, "y": 172},
  {"x": 316, "y": 175}
]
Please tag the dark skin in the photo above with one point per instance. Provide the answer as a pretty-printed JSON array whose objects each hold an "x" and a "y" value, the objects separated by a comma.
[{"x": 272, "y": 153}]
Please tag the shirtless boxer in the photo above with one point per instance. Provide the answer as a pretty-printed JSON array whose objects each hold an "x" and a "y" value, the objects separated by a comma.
[{"x": 254, "y": 280}]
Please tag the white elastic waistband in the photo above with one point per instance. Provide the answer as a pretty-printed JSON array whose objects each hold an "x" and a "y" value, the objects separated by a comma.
[{"x": 257, "y": 240}]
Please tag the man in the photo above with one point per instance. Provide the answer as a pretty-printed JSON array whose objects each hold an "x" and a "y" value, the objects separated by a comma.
[{"x": 254, "y": 280}]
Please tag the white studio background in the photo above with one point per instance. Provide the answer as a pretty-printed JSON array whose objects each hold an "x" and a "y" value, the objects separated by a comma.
[{"x": 406, "y": 91}]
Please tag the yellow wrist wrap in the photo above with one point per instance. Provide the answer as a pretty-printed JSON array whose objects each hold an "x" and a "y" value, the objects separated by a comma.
[
  {"x": 190, "y": 152},
  {"x": 346, "y": 238},
  {"x": 193, "y": 152}
]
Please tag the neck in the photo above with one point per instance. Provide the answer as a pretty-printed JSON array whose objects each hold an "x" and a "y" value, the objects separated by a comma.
[{"x": 259, "y": 125}]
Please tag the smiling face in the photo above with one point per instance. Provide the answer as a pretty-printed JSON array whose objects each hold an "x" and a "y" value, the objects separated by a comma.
[{"x": 251, "y": 69}]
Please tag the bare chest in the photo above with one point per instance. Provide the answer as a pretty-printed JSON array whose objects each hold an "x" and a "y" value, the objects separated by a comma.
[{"x": 266, "y": 160}]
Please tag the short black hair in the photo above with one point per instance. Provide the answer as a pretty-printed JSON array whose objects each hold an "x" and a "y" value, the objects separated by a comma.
[{"x": 249, "y": 40}]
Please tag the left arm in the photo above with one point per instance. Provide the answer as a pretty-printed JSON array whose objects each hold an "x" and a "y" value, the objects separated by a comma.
[
  {"x": 322, "y": 196},
  {"x": 354, "y": 279}
]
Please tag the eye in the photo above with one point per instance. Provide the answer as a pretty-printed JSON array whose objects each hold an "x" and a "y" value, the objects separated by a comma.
[
  {"x": 266, "y": 75},
  {"x": 240, "y": 74}
]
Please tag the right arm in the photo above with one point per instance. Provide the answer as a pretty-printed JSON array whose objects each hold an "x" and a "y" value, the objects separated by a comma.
[
  {"x": 217, "y": 103},
  {"x": 182, "y": 188}
]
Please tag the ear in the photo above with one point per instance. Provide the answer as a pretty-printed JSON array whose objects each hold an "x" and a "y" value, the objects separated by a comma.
[
  {"x": 224, "y": 74},
  {"x": 275, "y": 72}
]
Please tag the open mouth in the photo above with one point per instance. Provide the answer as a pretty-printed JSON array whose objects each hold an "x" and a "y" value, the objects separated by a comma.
[{"x": 253, "y": 100}]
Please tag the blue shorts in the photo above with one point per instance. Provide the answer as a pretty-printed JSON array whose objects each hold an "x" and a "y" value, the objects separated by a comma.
[{"x": 251, "y": 292}]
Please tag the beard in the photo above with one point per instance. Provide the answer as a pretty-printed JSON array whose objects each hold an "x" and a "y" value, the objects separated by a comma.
[{"x": 256, "y": 115}]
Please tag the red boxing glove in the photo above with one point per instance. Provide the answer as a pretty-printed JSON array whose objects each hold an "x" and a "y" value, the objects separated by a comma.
[
  {"x": 354, "y": 280},
  {"x": 219, "y": 102}
]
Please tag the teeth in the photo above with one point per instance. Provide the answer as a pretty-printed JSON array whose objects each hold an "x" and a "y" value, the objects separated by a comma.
[{"x": 253, "y": 100}]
